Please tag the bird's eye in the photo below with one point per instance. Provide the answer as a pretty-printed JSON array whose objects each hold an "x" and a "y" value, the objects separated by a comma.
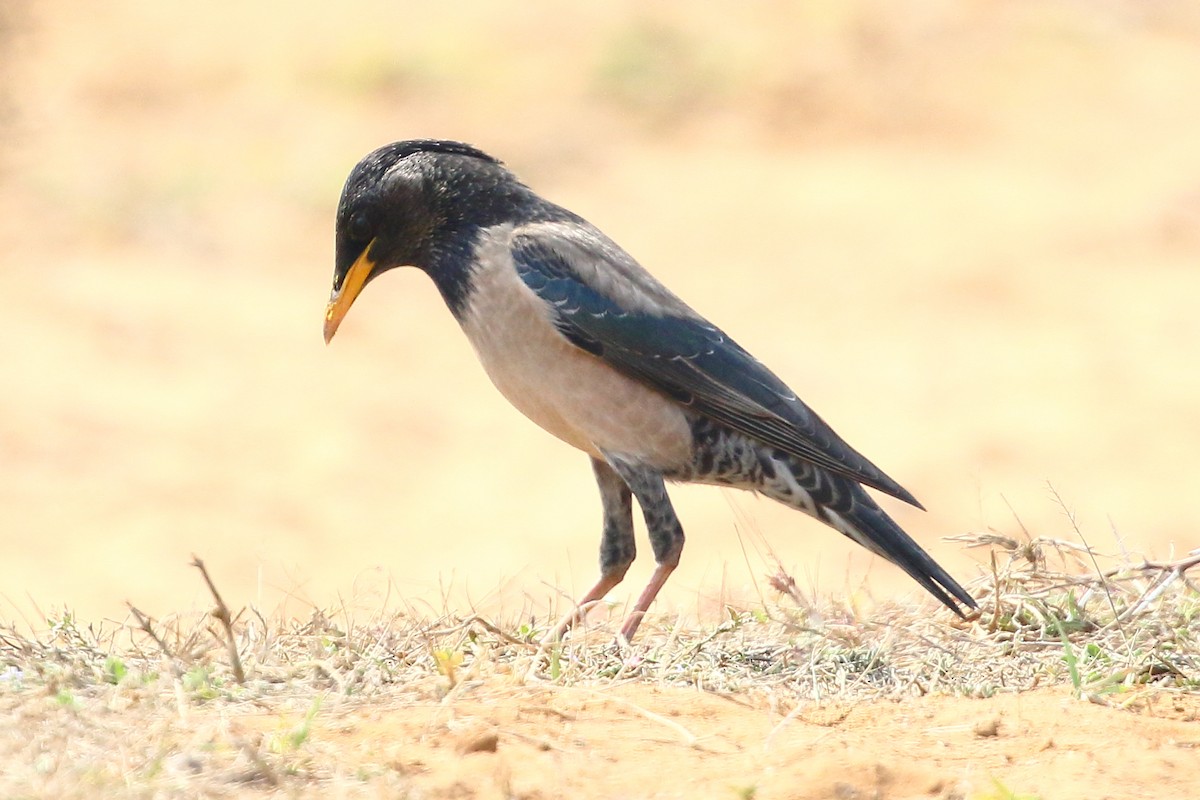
[{"x": 359, "y": 227}]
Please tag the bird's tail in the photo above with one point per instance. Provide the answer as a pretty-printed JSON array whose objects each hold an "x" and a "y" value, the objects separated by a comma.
[
  {"x": 869, "y": 525},
  {"x": 844, "y": 505}
]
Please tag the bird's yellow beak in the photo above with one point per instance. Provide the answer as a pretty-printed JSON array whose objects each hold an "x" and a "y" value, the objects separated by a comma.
[{"x": 343, "y": 297}]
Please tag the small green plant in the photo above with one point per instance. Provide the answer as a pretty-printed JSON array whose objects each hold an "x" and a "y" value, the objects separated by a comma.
[
  {"x": 66, "y": 699},
  {"x": 65, "y": 628},
  {"x": 114, "y": 670},
  {"x": 448, "y": 662},
  {"x": 1070, "y": 659},
  {"x": 200, "y": 683},
  {"x": 295, "y": 738}
]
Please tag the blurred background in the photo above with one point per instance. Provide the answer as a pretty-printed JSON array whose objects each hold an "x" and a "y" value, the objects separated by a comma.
[{"x": 967, "y": 233}]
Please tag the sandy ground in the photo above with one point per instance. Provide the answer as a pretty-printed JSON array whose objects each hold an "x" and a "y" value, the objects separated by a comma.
[
  {"x": 968, "y": 236},
  {"x": 498, "y": 738},
  {"x": 578, "y": 743}
]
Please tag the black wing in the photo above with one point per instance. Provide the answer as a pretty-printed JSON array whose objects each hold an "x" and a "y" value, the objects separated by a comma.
[{"x": 661, "y": 342}]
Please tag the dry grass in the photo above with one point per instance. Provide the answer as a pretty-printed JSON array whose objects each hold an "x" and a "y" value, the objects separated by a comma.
[{"x": 155, "y": 705}]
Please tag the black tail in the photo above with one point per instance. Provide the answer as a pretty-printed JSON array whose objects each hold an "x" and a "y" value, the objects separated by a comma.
[
  {"x": 728, "y": 458},
  {"x": 845, "y": 505},
  {"x": 866, "y": 523}
]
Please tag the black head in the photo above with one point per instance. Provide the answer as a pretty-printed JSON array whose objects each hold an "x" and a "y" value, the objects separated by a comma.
[{"x": 416, "y": 203}]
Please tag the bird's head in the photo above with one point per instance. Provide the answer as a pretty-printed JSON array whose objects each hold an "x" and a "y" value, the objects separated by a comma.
[{"x": 400, "y": 207}]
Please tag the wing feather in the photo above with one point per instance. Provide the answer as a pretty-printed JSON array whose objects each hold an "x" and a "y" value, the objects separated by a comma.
[{"x": 602, "y": 301}]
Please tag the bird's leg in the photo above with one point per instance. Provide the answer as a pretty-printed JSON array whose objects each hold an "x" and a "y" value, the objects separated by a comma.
[
  {"x": 617, "y": 548},
  {"x": 666, "y": 533}
]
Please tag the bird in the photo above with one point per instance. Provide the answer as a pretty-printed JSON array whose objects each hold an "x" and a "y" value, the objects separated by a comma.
[{"x": 584, "y": 341}]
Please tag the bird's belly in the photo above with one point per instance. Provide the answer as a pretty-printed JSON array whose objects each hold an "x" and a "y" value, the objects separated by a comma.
[{"x": 567, "y": 391}]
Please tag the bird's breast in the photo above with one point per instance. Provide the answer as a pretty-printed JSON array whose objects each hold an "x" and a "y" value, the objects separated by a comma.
[{"x": 567, "y": 391}]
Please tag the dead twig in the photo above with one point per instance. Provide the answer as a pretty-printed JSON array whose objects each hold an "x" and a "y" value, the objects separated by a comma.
[
  {"x": 221, "y": 613},
  {"x": 147, "y": 625}
]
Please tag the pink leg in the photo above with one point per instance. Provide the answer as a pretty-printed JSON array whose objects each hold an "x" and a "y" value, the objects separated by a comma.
[
  {"x": 619, "y": 480},
  {"x": 661, "y": 573},
  {"x": 594, "y": 595},
  {"x": 616, "y": 545}
]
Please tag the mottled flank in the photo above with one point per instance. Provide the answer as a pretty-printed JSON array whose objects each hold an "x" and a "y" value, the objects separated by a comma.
[{"x": 729, "y": 458}]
